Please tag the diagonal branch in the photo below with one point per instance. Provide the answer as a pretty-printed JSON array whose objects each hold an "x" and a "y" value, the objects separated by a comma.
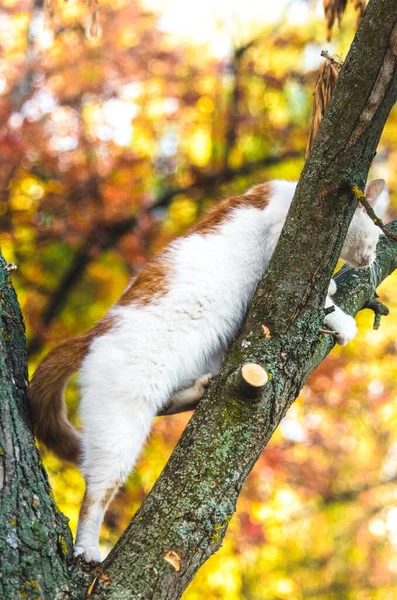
[
  {"x": 188, "y": 509},
  {"x": 354, "y": 289}
]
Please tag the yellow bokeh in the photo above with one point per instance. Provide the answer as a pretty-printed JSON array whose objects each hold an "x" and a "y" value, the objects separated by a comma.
[
  {"x": 205, "y": 104},
  {"x": 200, "y": 146}
]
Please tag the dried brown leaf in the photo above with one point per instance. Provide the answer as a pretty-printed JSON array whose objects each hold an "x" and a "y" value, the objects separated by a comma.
[
  {"x": 323, "y": 88},
  {"x": 91, "y": 588},
  {"x": 359, "y": 6},
  {"x": 174, "y": 559},
  {"x": 93, "y": 30},
  {"x": 334, "y": 9},
  {"x": 105, "y": 579},
  {"x": 102, "y": 576}
]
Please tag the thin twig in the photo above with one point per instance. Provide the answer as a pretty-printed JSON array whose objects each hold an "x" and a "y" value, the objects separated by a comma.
[
  {"x": 328, "y": 332},
  {"x": 10, "y": 267},
  {"x": 360, "y": 196}
]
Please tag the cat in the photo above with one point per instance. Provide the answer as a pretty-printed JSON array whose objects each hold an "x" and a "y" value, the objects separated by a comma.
[{"x": 163, "y": 340}]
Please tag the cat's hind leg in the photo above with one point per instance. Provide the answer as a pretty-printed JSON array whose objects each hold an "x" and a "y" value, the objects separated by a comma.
[
  {"x": 114, "y": 435},
  {"x": 91, "y": 516}
]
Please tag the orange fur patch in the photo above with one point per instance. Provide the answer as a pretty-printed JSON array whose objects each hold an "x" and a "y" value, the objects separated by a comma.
[
  {"x": 88, "y": 502},
  {"x": 109, "y": 495},
  {"x": 151, "y": 283},
  {"x": 85, "y": 508},
  {"x": 258, "y": 197},
  {"x": 102, "y": 327}
]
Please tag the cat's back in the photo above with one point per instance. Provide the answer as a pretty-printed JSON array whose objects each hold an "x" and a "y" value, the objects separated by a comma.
[
  {"x": 271, "y": 199},
  {"x": 225, "y": 252},
  {"x": 218, "y": 263},
  {"x": 190, "y": 300}
]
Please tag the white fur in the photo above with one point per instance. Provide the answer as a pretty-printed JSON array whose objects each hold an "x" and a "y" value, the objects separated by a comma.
[{"x": 162, "y": 348}]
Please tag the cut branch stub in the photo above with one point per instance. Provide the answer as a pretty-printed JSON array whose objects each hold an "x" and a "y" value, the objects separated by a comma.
[{"x": 253, "y": 379}]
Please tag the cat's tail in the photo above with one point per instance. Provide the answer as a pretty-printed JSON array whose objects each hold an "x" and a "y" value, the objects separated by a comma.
[{"x": 51, "y": 425}]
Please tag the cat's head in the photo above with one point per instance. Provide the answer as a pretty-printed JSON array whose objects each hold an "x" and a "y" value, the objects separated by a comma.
[{"x": 359, "y": 248}]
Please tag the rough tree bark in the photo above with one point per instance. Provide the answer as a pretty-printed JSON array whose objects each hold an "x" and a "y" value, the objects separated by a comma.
[
  {"x": 184, "y": 519},
  {"x": 35, "y": 539}
]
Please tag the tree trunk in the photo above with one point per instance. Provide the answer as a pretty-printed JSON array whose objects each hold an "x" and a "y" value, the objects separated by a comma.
[
  {"x": 35, "y": 539},
  {"x": 184, "y": 519}
]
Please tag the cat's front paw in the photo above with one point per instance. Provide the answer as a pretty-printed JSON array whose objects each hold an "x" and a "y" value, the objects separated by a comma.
[
  {"x": 90, "y": 553},
  {"x": 344, "y": 325}
]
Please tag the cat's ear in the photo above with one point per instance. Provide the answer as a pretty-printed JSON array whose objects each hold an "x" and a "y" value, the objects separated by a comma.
[
  {"x": 373, "y": 190},
  {"x": 377, "y": 195}
]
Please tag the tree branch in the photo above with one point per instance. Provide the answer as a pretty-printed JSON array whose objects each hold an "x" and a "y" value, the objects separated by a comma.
[{"x": 188, "y": 509}]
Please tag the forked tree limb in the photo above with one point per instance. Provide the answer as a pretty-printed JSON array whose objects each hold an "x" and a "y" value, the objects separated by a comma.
[
  {"x": 354, "y": 287},
  {"x": 356, "y": 284},
  {"x": 188, "y": 509}
]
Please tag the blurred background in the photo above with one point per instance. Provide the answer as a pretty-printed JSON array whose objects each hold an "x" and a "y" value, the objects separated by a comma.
[{"x": 120, "y": 123}]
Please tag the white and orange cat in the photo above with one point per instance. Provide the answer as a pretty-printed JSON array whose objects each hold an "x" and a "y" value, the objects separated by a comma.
[{"x": 164, "y": 339}]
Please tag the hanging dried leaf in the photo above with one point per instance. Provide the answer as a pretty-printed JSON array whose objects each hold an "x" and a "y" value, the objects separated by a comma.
[
  {"x": 93, "y": 27},
  {"x": 325, "y": 84},
  {"x": 49, "y": 9},
  {"x": 334, "y": 9},
  {"x": 359, "y": 6},
  {"x": 93, "y": 30}
]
